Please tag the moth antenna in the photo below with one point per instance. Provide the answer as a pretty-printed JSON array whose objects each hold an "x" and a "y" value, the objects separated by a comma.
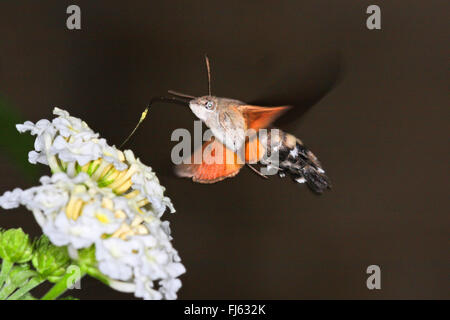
[
  {"x": 208, "y": 69},
  {"x": 257, "y": 171},
  {"x": 179, "y": 94},
  {"x": 143, "y": 116}
]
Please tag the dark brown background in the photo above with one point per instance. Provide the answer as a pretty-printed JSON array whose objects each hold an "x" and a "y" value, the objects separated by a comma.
[{"x": 379, "y": 124}]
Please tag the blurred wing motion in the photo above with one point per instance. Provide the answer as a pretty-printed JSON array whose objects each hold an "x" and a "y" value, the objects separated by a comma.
[{"x": 209, "y": 171}]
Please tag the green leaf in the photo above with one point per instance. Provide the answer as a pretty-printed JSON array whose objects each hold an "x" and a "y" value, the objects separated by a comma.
[{"x": 13, "y": 144}]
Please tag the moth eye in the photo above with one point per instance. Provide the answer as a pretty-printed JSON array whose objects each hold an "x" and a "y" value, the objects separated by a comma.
[{"x": 209, "y": 104}]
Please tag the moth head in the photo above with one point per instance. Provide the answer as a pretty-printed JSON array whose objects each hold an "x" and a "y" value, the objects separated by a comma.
[{"x": 204, "y": 107}]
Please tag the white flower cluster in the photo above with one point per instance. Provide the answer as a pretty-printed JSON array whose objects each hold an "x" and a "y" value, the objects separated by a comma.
[{"x": 101, "y": 196}]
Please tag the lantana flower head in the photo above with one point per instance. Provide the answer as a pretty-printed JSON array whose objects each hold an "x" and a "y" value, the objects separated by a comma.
[{"x": 101, "y": 197}]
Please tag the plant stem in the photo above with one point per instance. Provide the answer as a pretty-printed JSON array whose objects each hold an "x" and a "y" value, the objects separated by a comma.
[
  {"x": 60, "y": 287},
  {"x": 6, "y": 268},
  {"x": 7, "y": 290},
  {"x": 32, "y": 283}
]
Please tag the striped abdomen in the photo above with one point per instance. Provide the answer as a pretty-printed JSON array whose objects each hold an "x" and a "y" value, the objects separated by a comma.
[{"x": 296, "y": 160}]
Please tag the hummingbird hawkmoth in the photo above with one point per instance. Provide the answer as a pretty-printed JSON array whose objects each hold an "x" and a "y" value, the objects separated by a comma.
[{"x": 229, "y": 121}]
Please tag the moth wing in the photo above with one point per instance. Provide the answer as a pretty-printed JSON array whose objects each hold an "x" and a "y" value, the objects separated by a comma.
[
  {"x": 261, "y": 117},
  {"x": 217, "y": 163},
  {"x": 254, "y": 150}
]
